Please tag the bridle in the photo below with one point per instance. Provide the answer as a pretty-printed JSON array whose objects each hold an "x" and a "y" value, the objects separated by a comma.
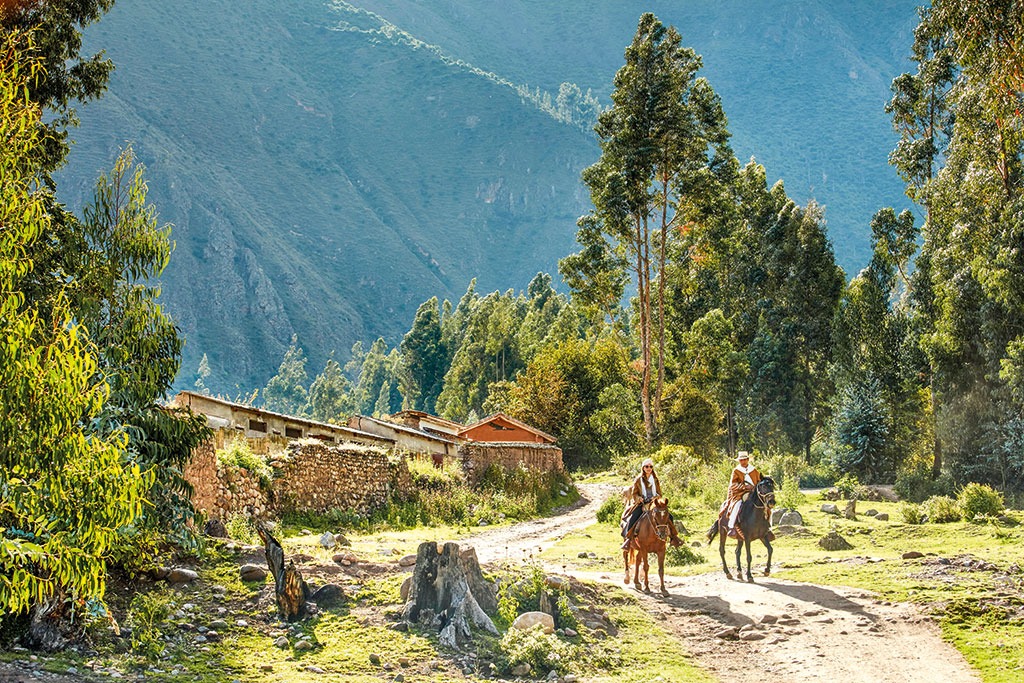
[
  {"x": 660, "y": 530},
  {"x": 766, "y": 499}
]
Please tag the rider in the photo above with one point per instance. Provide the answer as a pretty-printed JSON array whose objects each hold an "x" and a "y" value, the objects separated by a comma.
[
  {"x": 744, "y": 478},
  {"x": 646, "y": 487}
]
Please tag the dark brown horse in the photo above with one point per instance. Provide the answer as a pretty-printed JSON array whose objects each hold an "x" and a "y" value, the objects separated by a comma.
[
  {"x": 753, "y": 523},
  {"x": 650, "y": 535}
]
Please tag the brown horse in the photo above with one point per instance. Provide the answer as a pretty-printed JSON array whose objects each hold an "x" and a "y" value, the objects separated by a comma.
[{"x": 650, "y": 534}]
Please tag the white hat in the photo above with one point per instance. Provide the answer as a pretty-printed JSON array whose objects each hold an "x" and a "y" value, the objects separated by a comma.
[
  {"x": 742, "y": 455},
  {"x": 647, "y": 462}
]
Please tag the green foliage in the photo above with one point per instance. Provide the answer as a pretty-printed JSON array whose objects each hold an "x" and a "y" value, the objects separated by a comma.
[
  {"x": 542, "y": 651},
  {"x": 241, "y": 528},
  {"x": 610, "y": 511},
  {"x": 330, "y": 395},
  {"x": 64, "y": 489},
  {"x": 819, "y": 476},
  {"x": 911, "y": 513},
  {"x": 238, "y": 453},
  {"x": 425, "y": 358},
  {"x": 147, "y": 617},
  {"x": 941, "y": 510},
  {"x": 848, "y": 486},
  {"x": 682, "y": 556},
  {"x": 916, "y": 484},
  {"x": 286, "y": 392},
  {"x": 978, "y": 499}
]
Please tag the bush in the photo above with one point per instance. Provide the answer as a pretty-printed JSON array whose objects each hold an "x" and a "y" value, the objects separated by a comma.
[
  {"x": 239, "y": 454},
  {"x": 941, "y": 509},
  {"x": 542, "y": 651},
  {"x": 146, "y": 616},
  {"x": 241, "y": 529},
  {"x": 979, "y": 499},
  {"x": 911, "y": 514},
  {"x": 819, "y": 476},
  {"x": 610, "y": 511},
  {"x": 682, "y": 556},
  {"x": 916, "y": 484},
  {"x": 848, "y": 485}
]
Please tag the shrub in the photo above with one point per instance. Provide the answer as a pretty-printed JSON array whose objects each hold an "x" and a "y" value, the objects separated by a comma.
[
  {"x": 682, "y": 556},
  {"x": 542, "y": 651},
  {"x": 979, "y": 499},
  {"x": 819, "y": 476},
  {"x": 911, "y": 514},
  {"x": 941, "y": 509},
  {"x": 848, "y": 486},
  {"x": 239, "y": 454},
  {"x": 241, "y": 529},
  {"x": 916, "y": 484},
  {"x": 610, "y": 511},
  {"x": 146, "y": 615}
]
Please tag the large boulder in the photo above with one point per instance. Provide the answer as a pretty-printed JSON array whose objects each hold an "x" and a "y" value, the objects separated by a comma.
[
  {"x": 792, "y": 518},
  {"x": 528, "y": 620}
]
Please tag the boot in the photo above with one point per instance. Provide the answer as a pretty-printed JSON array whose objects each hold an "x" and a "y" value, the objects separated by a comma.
[
  {"x": 675, "y": 542},
  {"x": 770, "y": 536}
]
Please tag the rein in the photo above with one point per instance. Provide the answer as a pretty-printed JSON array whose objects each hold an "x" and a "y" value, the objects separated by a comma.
[{"x": 763, "y": 499}]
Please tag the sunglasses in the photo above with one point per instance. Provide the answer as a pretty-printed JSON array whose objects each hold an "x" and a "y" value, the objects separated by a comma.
[{"x": 648, "y": 467}]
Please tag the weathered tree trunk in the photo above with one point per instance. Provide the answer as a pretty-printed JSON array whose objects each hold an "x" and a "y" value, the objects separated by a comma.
[
  {"x": 449, "y": 593},
  {"x": 291, "y": 590},
  {"x": 51, "y": 627}
]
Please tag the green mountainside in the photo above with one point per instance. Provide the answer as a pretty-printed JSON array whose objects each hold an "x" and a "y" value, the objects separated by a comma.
[{"x": 328, "y": 166}]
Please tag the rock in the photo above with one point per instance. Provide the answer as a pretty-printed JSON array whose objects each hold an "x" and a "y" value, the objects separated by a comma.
[
  {"x": 215, "y": 528},
  {"x": 315, "y": 669},
  {"x": 521, "y": 669},
  {"x": 769, "y": 619},
  {"x": 160, "y": 573},
  {"x": 218, "y": 624},
  {"x": 726, "y": 634},
  {"x": 792, "y": 518},
  {"x": 829, "y": 508},
  {"x": 527, "y": 620},
  {"x": 374, "y": 659},
  {"x": 181, "y": 575},
  {"x": 871, "y": 513},
  {"x": 266, "y": 667},
  {"x": 882, "y": 517},
  {"x": 345, "y": 559},
  {"x": 751, "y": 635},
  {"x": 404, "y": 590},
  {"x": 339, "y": 539},
  {"x": 281, "y": 641},
  {"x": 912, "y": 555},
  {"x": 252, "y": 572},
  {"x": 558, "y": 583},
  {"x": 305, "y": 532},
  {"x": 851, "y": 510},
  {"x": 303, "y": 646},
  {"x": 328, "y": 595},
  {"x": 582, "y": 555},
  {"x": 833, "y": 541},
  {"x": 407, "y": 561},
  {"x": 570, "y": 633},
  {"x": 327, "y": 540}
]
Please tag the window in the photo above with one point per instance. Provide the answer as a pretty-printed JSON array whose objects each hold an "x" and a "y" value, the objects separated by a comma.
[
  {"x": 257, "y": 426},
  {"x": 293, "y": 432}
]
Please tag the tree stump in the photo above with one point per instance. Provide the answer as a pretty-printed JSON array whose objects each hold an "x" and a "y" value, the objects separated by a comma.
[
  {"x": 448, "y": 592},
  {"x": 289, "y": 587}
]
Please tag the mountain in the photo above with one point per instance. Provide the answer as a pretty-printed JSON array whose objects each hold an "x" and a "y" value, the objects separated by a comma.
[{"x": 328, "y": 166}]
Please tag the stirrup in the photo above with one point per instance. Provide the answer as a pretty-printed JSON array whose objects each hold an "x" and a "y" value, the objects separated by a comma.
[
  {"x": 733, "y": 533},
  {"x": 625, "y": 544}
]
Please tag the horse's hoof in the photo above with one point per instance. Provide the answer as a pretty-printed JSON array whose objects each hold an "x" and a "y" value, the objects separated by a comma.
[
  {"x": 750, "y": 579},
  {"x": 664, "y": 593},
  {"x": 767, "y": 572}
]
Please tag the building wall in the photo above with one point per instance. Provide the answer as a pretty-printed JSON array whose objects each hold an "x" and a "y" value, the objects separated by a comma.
[
  {"x": 513, "y": 434},
  {"x": 476, "y": 457}
]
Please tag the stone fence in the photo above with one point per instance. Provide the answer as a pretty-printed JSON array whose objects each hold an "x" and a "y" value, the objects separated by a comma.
[
  {"x": 477, "y": 456},
  {"x": 312, "y": 476}
]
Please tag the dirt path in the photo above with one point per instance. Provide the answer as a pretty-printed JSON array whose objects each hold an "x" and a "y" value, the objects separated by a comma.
[{"x": 791, "y": 631}]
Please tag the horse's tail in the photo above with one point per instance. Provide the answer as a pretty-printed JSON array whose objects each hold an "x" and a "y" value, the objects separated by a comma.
[{"x": 713, "y": 531}]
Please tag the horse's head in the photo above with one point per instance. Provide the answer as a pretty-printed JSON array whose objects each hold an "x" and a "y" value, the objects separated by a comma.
[
  {"x": 658, "y": 510},
  {"x": 765, "y": 490}
]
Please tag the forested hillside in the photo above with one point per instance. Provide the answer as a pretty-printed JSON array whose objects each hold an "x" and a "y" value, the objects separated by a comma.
[{"x": 329, "y": 166}]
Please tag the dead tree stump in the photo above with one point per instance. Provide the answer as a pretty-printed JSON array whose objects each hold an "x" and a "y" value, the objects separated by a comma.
[
  {"x": 448, "y": 592},
  {"x": 289, "y": 587}
]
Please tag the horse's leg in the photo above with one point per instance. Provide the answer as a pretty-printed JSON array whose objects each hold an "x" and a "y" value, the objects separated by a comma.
[
  {"x": 768, "y": 564},
  {"x": 721, "y": 551},
  {"x": 638, "y": 558},
  {"x": 625, "y": 559},
  {"x": 647, "y": 569},
  {"x": 661, "y": 570},
  {"x": 739, "y": 564},
  {"x": 750, "y": 577}
]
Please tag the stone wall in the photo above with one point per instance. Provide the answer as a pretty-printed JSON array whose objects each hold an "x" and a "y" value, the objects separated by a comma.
[
  {"x": 308, "y": 476},
  {"x": 477, "y": 456},
  {"x": 318, "y": 477}
]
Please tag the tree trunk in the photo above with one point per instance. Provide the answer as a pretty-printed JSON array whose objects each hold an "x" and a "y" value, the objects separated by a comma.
[
  {"x": 51, "y": 626},
  {"x": 448, "y": 592},
  {"x": 290, "y": 588}
]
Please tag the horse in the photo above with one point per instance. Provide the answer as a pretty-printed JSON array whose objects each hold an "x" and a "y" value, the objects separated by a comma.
[
  {"x": 650, "y": 534},
  {"x": 753, "y": 523}
]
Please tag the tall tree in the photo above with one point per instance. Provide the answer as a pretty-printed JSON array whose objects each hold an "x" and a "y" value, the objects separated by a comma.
[
  {"x": 330, "y": 397},
  {"x": 424, "y": 359},
  {"x": 64, "y": 492},
  {"x": 665, "y": 127},
  {"x": 286, "y": 391}
]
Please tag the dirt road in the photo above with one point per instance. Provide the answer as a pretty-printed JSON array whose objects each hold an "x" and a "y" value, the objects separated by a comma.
[{"x": 790, "y": 631}]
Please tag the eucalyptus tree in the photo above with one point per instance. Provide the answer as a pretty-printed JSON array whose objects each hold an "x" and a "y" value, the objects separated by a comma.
[
  {"x": 425, "y": 358},
  {"x": 65, "y": 491},
  {"x": 330, "y": 395},
  {"x": 969, "y": 284},
  {"x": 664, "y": 127},
  {"x": 286, "y": 391}
]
